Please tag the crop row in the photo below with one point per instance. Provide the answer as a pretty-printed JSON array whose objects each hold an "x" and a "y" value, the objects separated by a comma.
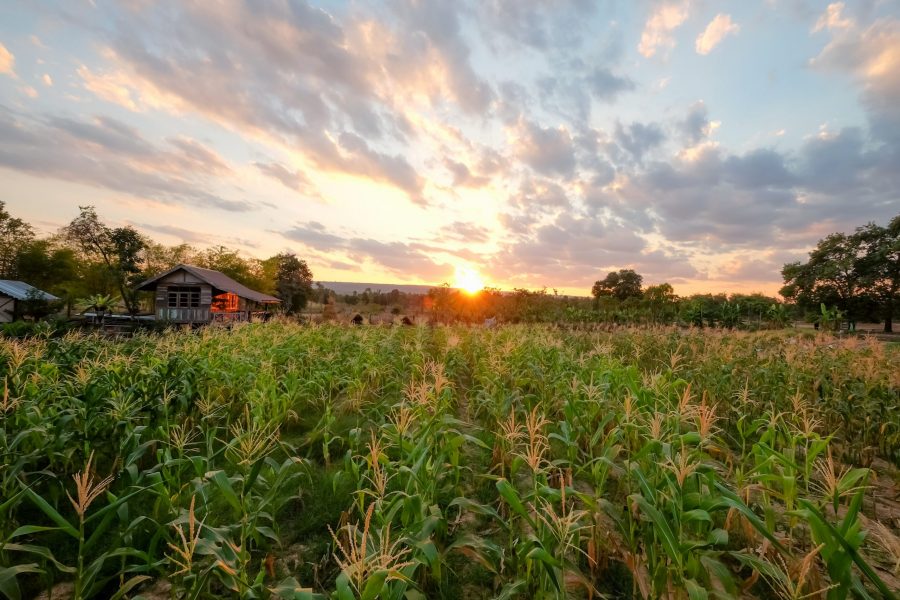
[{"x": 277, "y": 460}]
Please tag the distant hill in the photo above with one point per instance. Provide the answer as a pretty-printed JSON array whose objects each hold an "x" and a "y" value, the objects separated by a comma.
[{"x": 348, "y": 287}]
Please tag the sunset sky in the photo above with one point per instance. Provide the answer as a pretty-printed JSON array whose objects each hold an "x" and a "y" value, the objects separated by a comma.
[{"x": 703, "y": 143}]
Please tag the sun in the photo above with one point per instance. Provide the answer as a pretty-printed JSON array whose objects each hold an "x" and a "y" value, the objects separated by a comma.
[{"x": 468, "y": 279}]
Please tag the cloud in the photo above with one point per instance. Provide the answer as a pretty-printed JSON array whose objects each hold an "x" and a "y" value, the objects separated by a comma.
[
  {"x": 547, "y": 150},
  {"x": 331, "y": 107},
  {"x": 48, "y": 81},
  {"x": 463, "y": 176},
  {"x": 405, "y": 260},
  {"x": 294, "y": 180},
  {"x": 833, "y": 18},
  {"x": 758, "y": 168},
  {"x": 7, "y": 62},
  {"x": 658, "y": 30},
  {"x": 536, "y": 24},
  {"x": 606, "y": 86},
  {"x": 872, "y": 55},
  {"x": 107, "y": 153},
  {"x": 440, "y": 23},
  {"x": 535, "y": 199},
  {"x": 764, "y": 199},
  {"x": 696, "y": 126},
  {"x": 639, "y": 138},
  {"x": 466, "y": 232},
  {"x": 190, "y": 236},
  {"x": 574, "y": 250},
  {"x": 717, "y": 30},
  {"x": 116, "y": 88}
]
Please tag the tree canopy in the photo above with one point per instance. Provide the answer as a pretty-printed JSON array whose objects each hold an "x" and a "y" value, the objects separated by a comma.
[
  {"x": 293, "y": 281},
  {"x": 622, "y": 284},
  {"x": 859, "y": 273}
]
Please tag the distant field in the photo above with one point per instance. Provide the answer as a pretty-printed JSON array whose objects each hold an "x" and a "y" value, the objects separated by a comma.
[{"x": 287, "y": 461}]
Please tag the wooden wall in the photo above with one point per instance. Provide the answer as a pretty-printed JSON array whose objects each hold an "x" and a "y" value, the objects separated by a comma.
[
  {"x": 200, "y": 314},
  {"x": 7, "y": 308}
]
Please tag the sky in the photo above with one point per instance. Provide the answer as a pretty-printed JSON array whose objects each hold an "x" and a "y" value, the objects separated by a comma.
[{"x": 524, "y": 143}]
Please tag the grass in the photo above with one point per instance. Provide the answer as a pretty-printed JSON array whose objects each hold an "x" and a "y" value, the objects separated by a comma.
[{"x": 277, "y": 460}]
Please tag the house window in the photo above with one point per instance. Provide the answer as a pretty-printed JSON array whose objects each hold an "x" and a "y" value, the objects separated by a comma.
[{"x": 184, "y": 297}]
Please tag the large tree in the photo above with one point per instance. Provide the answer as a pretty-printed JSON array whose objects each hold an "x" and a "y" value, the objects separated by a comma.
[
  {"x": 293, "y": 282},
  {"x": 50, "y": 266},
  {"x": 854, "y": 272},
  {"x": 15, "y": 234},
  {"x": 830, "y": 276},
  {"x": 661, "y": 302},
  {"x": 118, "y": 249},
  {"x": 621, "y": 284},
  {"x": 879, "y": 266}
]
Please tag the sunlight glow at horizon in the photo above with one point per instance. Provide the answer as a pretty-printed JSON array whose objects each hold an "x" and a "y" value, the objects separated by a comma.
[{"x": 468, "y": 279}]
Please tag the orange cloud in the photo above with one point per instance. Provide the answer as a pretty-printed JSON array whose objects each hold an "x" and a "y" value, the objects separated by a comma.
[{"x": 717, "y": 30}]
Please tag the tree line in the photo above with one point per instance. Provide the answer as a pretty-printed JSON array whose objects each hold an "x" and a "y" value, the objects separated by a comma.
[
  {"x": 619, "y": 299},
  {"x": 847, "y": 277},
  {"x": 88, "y": 258}
]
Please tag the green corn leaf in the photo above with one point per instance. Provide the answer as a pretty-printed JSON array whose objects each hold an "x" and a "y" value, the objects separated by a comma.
[
  {"x": 344, "y": 590},
  {"x": 512, "y": 589},
  {"x": 696, "y": 515},
  {"x": 251, "y": 478},
  {"x": 860, "y": 562},
  {"x": 130, "y": 585},
  {"x": 374, "y": 585},
  {"x": 29, "y": 529},
  {"x": 508, "y": 492},
  {"x": 731, "y": 500},
  {"x": 8, "y": 584},
  {"x": 113, "y": 504},
  {"x": 465, "y": 504},
  {"x": 661, "y": 526},
  {"x": 718, "y": 571},
  {"x": 695, "y": 590},
  {"x": 548, "y": 561},
  {"x": 484, "y": 551},
  {"x": 718, "y": 537},
  {"x": 41, "y": 551},
  {"x": 290, "y": 589},
  {"x": 51, "y": 512},
  {"x": 224, "y": 484}
]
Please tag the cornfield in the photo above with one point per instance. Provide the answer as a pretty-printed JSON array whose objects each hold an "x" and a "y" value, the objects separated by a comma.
[{"x": 284, "y": 461}]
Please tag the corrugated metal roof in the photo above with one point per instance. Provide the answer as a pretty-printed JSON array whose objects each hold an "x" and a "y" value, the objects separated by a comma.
[
  {"x": 21, "y": 290},
  {"x": 218, "y": 280}
]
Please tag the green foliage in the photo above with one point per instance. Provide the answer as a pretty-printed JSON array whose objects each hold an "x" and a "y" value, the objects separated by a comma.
[
  {"x": 621, "y": 284},
  {"x": 284, "y": 461},
  {"x": 15, "y": 234},
  {"x": 293, "y": 281},
  {"x": 858, "y": 273}
]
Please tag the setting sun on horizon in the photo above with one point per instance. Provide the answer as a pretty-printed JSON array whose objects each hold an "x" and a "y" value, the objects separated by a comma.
[{"x": 468, "y": 279}]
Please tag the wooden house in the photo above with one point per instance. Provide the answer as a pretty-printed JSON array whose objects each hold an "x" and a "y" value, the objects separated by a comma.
[
  {"x": 14, "y": 293},
  {"x": 189, "y": 294}
]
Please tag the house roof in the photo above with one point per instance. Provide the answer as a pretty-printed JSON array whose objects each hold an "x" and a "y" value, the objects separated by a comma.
[
  {"x": 219, "y": 281},
  {"x": 21, "y": 291}
]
